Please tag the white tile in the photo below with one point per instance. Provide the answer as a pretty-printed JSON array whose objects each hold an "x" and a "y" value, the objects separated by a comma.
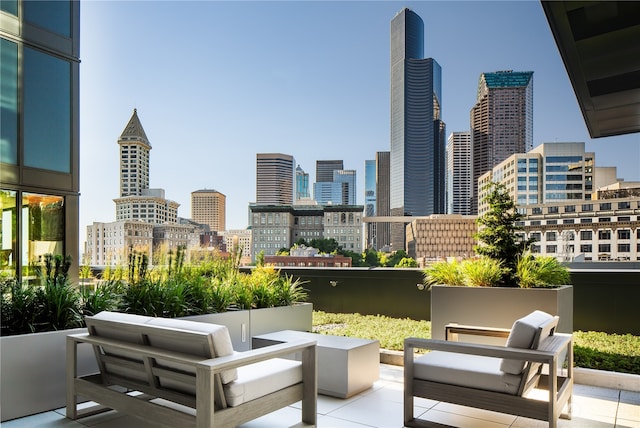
[
  {"x": 500, "y": 418},
  {"x": 42, "y": 420},
  {"x": 622, "y": 423},
  {"x": 331, "y": 422},
  {"x": 629, "y": 411},
  {"x": 285, "y": 417},
  {"x": 456, "y": 420},
  {"x": 372, "y": 411},
  {"x": 576, "y": 422}
]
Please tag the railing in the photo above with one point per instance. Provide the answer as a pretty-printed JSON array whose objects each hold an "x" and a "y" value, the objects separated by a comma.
[{"x": 606, "y": 296}]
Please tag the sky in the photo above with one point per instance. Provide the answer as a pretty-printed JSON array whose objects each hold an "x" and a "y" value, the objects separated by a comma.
[{"x": 216, "y": 82}]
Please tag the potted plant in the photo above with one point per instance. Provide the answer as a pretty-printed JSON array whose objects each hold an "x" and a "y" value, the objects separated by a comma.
[{"x": 504, "y": 282}]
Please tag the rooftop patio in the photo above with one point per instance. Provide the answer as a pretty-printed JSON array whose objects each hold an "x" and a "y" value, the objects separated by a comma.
[{"x": 381, "y": 406}]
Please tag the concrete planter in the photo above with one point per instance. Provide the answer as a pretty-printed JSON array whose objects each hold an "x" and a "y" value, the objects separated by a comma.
[
  {"x": 32, "y": 378},
  {"x": 245, "y": 324},
  {"x": 497, "y": 306}
]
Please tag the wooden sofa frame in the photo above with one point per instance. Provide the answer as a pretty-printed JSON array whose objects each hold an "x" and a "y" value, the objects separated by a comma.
[
  {"x": 552, "y": 351},
  {"x": 133, "y": 397}
]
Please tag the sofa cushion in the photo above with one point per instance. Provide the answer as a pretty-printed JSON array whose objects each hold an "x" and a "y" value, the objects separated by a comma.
[
  {"x": 262, "y": 378},
  {"x": 471, "y": 371},
  {"x": 522, "y": 335},
  {"x": 219, "y": 334}
]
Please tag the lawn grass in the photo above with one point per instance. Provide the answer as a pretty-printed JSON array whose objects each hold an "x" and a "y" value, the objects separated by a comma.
[{"x": 593, "y": 350}]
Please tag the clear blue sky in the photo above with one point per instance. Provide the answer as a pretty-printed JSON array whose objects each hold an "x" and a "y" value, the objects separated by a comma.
[{"x": 217, "y": 82}]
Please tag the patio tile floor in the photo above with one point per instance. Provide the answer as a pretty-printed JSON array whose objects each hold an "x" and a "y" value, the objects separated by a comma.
[{"x": 381, "y": 406}]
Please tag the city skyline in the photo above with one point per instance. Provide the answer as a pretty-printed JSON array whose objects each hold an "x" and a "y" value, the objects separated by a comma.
[{"x": 309, "y": 79}]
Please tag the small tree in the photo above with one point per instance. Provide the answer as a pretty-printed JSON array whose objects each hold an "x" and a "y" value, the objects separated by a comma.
[{"x": 497, "y": 238}]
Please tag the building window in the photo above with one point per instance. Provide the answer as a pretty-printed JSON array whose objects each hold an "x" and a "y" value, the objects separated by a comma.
[
  {"x": 42, "y": 226},
  {"x": 585, "y": 248},
  {"x": 587, "y": 207},
  {"x": 8, "y": 223},
  {"x": 9, "y": 101},
  {"x": 552, "y": 210},
  {"x": 551, "y": 236},
  {"x": 624, "y": 234},
  {"x": 536, "y": 236},
  {"x": 605, "y": 206},
  {"x": 624, "y": 205},
  {"x": 47, "y": 110},
  {"x": 54, "y": 16},
  {"x": 586, "y": 235},
  {"x": 567, "y": 221},
  {"x": 551, "y": 249},
  {"x": 604, "y": 248},
  {"x": 624, "y": 248},
  {"x": 570, "y": 209},
  {"x": 604, "y": 234},
  {"x": 536, "y": 210},
  {"x": 586, "y": 220}
]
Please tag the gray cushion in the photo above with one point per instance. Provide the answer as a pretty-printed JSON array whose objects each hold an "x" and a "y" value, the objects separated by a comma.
[
  {"x": 259, "y": 379},
  {"x": 471, "y": 371},
  {"x": 521, "y": 336}
]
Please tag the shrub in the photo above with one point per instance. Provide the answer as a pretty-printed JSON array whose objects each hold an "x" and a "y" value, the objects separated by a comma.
[{"x": 541, "y": 271}]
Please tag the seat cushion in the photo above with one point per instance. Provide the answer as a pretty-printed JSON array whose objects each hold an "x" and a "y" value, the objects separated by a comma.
[
  {"x": 219, "y": 333},
  {"x": 472, "y": 371},
  {"x": 522, "y": 335},
  {"x": 259, "y": 379}
]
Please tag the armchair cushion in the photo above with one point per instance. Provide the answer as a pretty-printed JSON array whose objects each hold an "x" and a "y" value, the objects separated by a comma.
[
  {"x": 262, "y": 378},
  {"x": 471, "y": 371},
  {"x": 522, "y": 335}
]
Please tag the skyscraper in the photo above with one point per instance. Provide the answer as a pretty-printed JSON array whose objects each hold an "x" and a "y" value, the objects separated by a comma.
[
  {"x": 274, "y": 179},
  {"x": 383, "y": 230},
  {"x": 302, "y": 184},
  {"x": 501, "y": 121},
  {"x": 134, "y": 158},
  {"x": 370, "y": 198},
  {"x": 459, "y": 174},
  {"x": 325, "y": 168},
  {"x": 208, "y": 207},
  {"x": 417, "y": 131}
]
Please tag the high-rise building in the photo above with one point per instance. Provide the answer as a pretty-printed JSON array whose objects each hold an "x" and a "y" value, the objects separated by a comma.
[
  {"x": 274, "y": 179},
  {"x": 208, "y": 207},
  {"x": 417, "y": 131},
  {"x": 382, "y": 235},
  {"x": 347, "y": 180},
  {"x": 370, "y": 198},
  {"x": 325, "y": 168},
  {"x": 39, "y": 149},
  {"x": 501, "y": 121},
  {"x": 137, "y": 201},
  {"x": 302, "y": 184},
  {"x": 134, "y": 158},
  {"x": 459, "y": 173}
]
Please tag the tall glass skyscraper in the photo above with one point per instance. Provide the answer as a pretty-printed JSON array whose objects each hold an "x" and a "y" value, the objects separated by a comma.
[
  {"x": 501, "y": 121},
  {"x": 417, "y": 178}
]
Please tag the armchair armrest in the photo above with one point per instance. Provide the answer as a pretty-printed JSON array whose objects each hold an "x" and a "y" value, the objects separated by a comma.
[{"x": 452, "y": 330}]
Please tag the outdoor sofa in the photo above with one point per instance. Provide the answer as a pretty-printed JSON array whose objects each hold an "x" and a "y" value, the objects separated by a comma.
[{"x": 177, "y": 373}]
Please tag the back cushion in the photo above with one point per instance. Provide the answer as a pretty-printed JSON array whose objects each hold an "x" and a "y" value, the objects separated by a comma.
[
  {"x": 219, "y": 334},
  {"x": 522, "y": 335}
]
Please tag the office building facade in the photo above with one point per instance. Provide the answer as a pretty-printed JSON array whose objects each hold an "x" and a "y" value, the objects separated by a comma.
[
  {"x": 208, "y": 207},
  {"x": 501, "y": 121},
  {"x": 438, "y": 236},
  {"x": 325, "y": 168},
  {"x": 275, "y": 175},
  {"x": 417, "y": 168},
  {"x": 39, "y": 113},
  {"x": 279, "y": 226},
  {"x": 370, "y": 199},
  {"x": 459, "y": 177},
  {"x": 551, "y": 172}
]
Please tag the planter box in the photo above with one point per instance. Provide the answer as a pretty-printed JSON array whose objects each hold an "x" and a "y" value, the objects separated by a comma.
[
  {"x": 497, "y": 306},
  {"x": 245, "y": 324},
  {"x": 32, "y": 371}
]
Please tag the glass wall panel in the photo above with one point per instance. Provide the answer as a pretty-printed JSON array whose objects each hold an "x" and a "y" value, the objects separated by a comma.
[
  {"x": 53, "y": 15},
  {"x": 47, "y": 111},
  {"x": 9, "y": 6},
  {"x": 42, "y": 228},
  {"x": 8, "y": 102},
  {"x": 8, "y": 228}
]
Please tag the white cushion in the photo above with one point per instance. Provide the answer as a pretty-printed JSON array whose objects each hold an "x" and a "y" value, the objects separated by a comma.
[
  {"x": 122, "y": 317},
  {"x": 259, "y": 379},
  {"x": 521, "y": 336},
  {"x": 219, "y": 334},
  {"x": 471, "y": 371}
]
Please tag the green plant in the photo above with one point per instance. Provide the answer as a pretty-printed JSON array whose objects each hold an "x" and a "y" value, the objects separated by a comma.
[
  {"x": 104, "y": 297},
  {"x": 541, "y": 271},
  {"x": 482, "y": 272},
  {"x": 497, "y": 238},
  {"x": 443, "y": 272}
]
